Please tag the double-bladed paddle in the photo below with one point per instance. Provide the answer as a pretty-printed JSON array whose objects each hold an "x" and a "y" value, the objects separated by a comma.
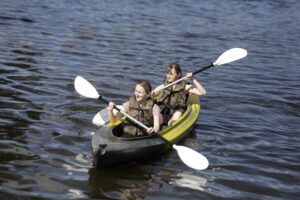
[
  {"x": 226, "y": 57},
  {"x": 188, "y": 156}
]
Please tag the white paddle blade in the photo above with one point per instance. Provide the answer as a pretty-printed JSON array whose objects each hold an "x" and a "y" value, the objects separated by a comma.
[
  {"x": 84, "y": 88},
  {"x": 191, "y": 158},
  {"x": 230, "y": 56},
  {"x": 101, "y": 118}
]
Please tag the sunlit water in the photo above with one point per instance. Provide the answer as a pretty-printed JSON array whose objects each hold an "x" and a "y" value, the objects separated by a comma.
[{"x": 249, "y": 122}]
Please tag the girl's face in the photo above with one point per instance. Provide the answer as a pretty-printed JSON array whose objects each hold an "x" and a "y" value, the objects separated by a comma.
[
  {"x": 140, "y": 93},
  {"x": 172, "y": 75}
]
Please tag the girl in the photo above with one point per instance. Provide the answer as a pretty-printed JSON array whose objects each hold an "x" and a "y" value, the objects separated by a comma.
[
  {"x": 142, "y": 108},
  {"x": 172, "y": 100}
]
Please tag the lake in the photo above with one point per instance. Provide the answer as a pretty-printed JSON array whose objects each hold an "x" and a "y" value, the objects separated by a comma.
[{"x": 248, "y": 126}]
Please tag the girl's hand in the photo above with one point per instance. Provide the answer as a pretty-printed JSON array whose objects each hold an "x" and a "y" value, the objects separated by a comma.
[
  {"x": 190, "y": 76},
  {"x": 111, "y": 105},
  {"x": 152, "y": 93},
  {"x": 150, "y": 131}
]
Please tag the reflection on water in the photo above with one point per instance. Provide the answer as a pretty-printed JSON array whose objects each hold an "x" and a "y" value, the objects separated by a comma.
[
  {"x": 119, "y": 183},
  {"x": 75, "y": 194},
  {"x": 127, "y": 182},
  {"x": 187, "y": 180}
]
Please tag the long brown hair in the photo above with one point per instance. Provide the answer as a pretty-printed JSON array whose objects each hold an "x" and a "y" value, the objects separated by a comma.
[
  {"x": 174, "y": 66},
  {"x": 146, "y": 85}
]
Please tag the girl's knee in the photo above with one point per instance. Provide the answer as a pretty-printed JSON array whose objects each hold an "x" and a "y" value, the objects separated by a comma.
[{"x": 175, "y": 117}]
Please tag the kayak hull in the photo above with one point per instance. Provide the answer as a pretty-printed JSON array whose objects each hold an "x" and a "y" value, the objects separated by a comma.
[{"x": 110, "y": 150}]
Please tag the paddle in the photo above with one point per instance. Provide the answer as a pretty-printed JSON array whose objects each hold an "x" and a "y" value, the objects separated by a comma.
[
  {"x": 226, "y": 57},
  {"x": 188, "y": 156},
  {"x": 101, "y": 118}
]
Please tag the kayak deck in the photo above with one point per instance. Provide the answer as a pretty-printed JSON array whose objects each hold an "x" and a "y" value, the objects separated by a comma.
[{"x": 183, "y": 125}]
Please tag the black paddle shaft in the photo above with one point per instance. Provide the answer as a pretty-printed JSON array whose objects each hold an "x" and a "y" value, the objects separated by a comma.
[
  {"x": 100, "y": 98},
  {"x": 204, "y": 68}
]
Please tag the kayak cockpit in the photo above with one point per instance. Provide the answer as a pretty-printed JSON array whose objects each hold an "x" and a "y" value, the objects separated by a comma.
[{"x": 117, "y": 133}]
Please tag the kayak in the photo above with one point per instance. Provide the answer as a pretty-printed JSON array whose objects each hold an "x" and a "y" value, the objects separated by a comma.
[{"x": 111, "y": 150}]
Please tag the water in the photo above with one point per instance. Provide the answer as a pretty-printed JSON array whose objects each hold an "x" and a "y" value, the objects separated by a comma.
[{"x": 249, "y": 122}]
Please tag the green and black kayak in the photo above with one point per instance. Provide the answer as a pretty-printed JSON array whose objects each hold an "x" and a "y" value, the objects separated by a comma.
[{"x": 110, "y": 149}]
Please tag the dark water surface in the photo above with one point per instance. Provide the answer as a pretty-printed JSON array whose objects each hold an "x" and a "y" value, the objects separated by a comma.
[{"x": 249, "y": 123}]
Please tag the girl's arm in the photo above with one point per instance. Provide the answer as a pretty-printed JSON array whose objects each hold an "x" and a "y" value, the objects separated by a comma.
[
  {"x": 114, "y": 118},
  {"x": 154, "y": 94},
  {"x": 198, "y": 89},
  {"x": 156, "y": 118}
]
